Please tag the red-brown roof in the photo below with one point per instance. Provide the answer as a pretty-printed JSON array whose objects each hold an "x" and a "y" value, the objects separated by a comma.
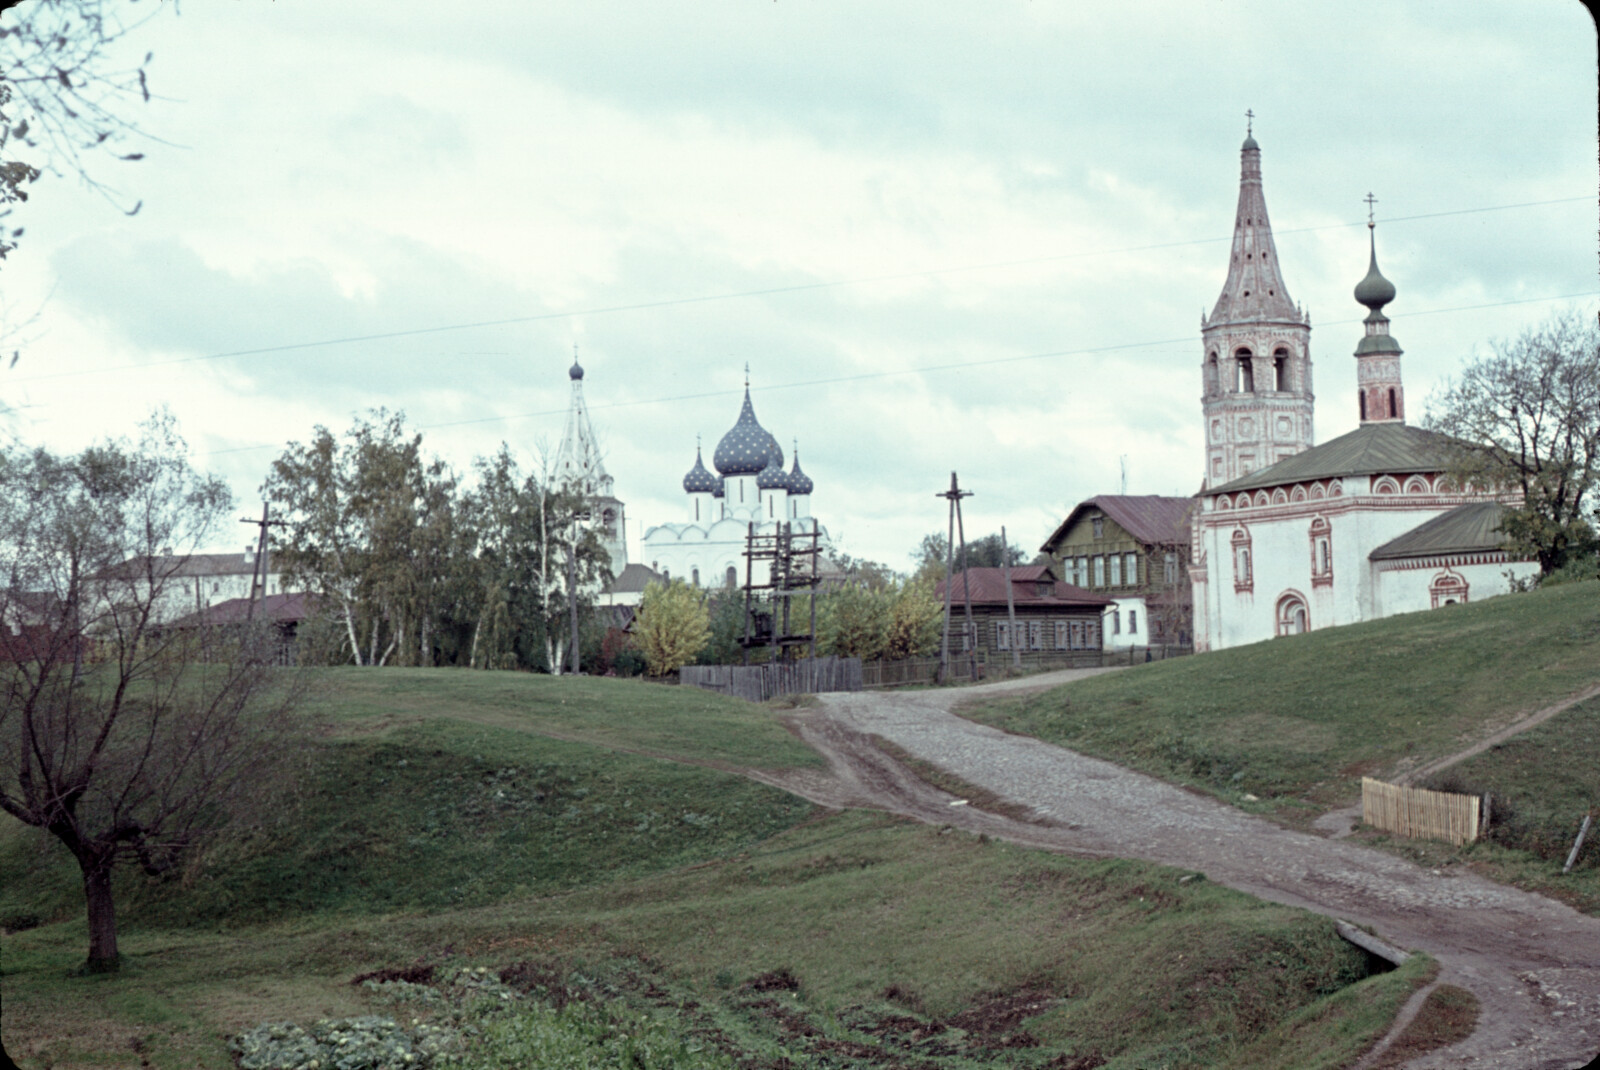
[
  {"x": 278, "y": 608},
  {"x": 1152, "y": 519},
  {"x": 988, "y": 587}
]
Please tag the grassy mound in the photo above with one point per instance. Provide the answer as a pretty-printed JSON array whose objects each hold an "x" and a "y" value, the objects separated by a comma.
[{"x": 1302, "y": 718}]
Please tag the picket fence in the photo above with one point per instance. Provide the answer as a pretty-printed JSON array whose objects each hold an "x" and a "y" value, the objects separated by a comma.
[
  {"x": 757, "y": 683},
  {"x": 1418, "y": 812}
]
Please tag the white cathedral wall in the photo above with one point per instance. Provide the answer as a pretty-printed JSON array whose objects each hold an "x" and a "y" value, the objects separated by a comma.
[
  {"x": 680, "y": 549},
  {"x": 1406, "y": 590}
]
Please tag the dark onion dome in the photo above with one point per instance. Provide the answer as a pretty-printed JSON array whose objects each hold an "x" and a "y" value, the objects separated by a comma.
[
  {"x": 700, "y": 481},
  {"x": 1249, "y": 143},
  {"x": 799, "y": 482},
  {"x": 1374, "y": 291},
  {"x": 718, "y": 493},
  {"x": 746, "y": 449},
  {"x": 576, "y": 371},
  {"x": 772, "y": 477}
]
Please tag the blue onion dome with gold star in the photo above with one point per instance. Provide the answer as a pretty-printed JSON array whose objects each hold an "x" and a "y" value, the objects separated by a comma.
[
  {"x": 700, "y": 481},
  {"x": 747, "y": 447},
  {"x": 772, "y": 477},
  {"x": 799, "y": 482}
]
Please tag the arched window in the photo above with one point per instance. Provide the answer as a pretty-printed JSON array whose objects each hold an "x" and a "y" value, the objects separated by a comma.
[
  {"x": 1280, "y": 369},
  {"x": 1394, "y": 409},
  {"x": 609, "y": 518},
  {"x": 1244, "y": 373},
  {"x": 1448, "y": 588},
  {"x": 1213, "y": 384},
  {"x": 1293, "y": 617},
  {"x": 1362, "y": 397},
  {"x": 732, "y": 578},
  {"x": 1243, "y": 578},
  {"x": 1321, "y": 552},
  {"x": 694, "y": 576}
]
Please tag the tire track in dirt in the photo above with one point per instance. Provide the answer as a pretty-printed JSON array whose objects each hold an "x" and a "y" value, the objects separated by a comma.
[{"x": 1533, "y": 963}]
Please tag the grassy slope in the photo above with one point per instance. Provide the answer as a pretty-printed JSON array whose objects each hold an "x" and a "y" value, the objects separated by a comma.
[
  {"x": 1297, "y": 721},
  {"x": 430, "y": 828}
]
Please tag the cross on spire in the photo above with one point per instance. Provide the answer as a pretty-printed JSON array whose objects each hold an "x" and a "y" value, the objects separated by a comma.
[
  {"x": 1371, "y": 200},
  {"x": 1249, "y": 122},
  {"x": 747, "y": 375},
  {"x": 574, "y": 352}
]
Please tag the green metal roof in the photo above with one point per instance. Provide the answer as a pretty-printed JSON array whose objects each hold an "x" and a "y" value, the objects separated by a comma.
[
  {"x": 1464, "y": 529},
  {"x": 1368, "y": 450}
]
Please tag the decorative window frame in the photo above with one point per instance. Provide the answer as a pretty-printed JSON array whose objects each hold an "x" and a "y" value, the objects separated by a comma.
[
  {"x": 1035, "y": 635},
  {"x": 1385, "y": 485},
  {"x": 1283, "y": 613},
  {"x": 1243, "y": 566},
  {"x": 1416, "y": 485},
  {"x": 1002, "y": 635},
  {"x": 1448, "y": 586},
  {"x": 1062, "y": 636},
  {"x": 1321, "y": 537}
]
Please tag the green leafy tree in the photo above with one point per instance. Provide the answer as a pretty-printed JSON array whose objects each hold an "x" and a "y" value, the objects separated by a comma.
[
  {"x": 915, "y": 620},
  {"x": 126, "y": 739},
  {"x": 672, "y": 626},
  {"x": 1526, "y": 419},
  {"x": 726, "y": 610},
  {"x": 854, "y": 622}
]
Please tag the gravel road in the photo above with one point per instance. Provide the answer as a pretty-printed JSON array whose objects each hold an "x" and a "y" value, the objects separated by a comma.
[{"x": 1533, "y": 963}]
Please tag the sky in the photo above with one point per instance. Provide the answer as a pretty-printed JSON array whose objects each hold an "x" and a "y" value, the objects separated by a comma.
[{"x": 943, "y": 236}]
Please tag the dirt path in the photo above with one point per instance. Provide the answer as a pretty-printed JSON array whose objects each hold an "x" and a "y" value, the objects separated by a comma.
[{"x": 1533, "y": 963}]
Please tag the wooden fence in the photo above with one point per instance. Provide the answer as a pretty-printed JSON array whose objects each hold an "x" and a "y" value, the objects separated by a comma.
[
  {"x": 903, "y": 671},
  {"x": 757, "y": 683},
  {"x": 1418, "y": 812}
]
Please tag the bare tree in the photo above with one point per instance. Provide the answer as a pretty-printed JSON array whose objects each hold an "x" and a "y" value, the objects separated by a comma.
[
  {"x": 1527, "y": 417},
  {"x": 124, "y": 737}
]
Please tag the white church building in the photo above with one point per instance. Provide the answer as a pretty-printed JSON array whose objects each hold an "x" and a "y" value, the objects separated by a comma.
[
  {"x": 1290, "y": 536},
  {"x": 750, "y": 491}
]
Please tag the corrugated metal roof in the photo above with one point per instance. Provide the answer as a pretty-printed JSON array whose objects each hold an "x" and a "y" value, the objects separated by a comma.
[
  {"x": 1465, "y": 529},
  {"x": 1153, "y": 519},
  {"x": 1368, "y": 450},
  {"x": 988, "y": 587}
]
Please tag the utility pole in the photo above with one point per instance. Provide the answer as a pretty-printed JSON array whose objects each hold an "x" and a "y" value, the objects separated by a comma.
[
  {"x": 258, "y": 568},
  {"x": 1011, "y": 606},
  {"x": 953, "y": 496}
]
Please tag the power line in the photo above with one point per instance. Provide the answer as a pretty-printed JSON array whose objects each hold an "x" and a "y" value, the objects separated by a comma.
[
  {"x": 926, "y": 369},
  {"x": 767, "y": 292}
]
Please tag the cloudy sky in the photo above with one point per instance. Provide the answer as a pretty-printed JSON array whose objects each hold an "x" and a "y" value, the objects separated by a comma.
[{"x": 943, "y": 235}]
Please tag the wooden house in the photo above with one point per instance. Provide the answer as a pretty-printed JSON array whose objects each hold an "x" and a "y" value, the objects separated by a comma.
[
  {"x": 1133, "y": 549},
  {"x": 1051, "y": 616}
]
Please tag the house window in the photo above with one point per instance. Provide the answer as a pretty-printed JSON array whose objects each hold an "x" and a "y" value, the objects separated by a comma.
[
  {"x": 1099, "y": 572},
  {"x": 1036, "y": 635},
  {"x": 1170, "y": 567},
  {"x": 1002, "y": 636},
  {"x": 1116, "y": 570},
  {"x": 1043, "y": 589},
  {"x": 1116, "y": 622},
  {"x": 1075, "y": 634},
  {"x": 1061, "y": 635},
  {"x": 1133, "y": 622},
  {"x": 1081, "y": 575},
  {"x": 1293, "y": 619},
  {"x": 1243, "y": 578},
  {"x": 1099, "y": 523},
  {"x": 1091, "y": 635},
  {"x": 1130, "y": 568}
]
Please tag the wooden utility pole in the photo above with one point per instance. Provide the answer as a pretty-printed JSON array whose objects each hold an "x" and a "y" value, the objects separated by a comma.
[
  {"x": 953, "y": 496},
  {"x": 971, "y": 640},
  {"x": 1011, "y": 606},
  {"x": 258, "y": 568}
]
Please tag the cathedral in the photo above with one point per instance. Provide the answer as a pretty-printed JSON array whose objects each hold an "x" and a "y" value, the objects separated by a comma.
[
  {"x": 1289, "y": 535},
  {"x": 749, "y": 491}
]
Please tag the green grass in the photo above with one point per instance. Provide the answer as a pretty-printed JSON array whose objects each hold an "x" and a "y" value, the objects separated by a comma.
[
  {"x": 438, "y": 820},
  {"x": 631, "y": 715},
  {"x": 1297, "y": 721}
]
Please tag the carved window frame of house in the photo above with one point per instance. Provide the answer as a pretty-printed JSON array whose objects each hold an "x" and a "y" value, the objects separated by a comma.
[
  {"x": 1002, "y": 635},
  {"x": 1062, "y": 635},
  {"x": 1321, "y": 536},
  {"x": 1243, "y": 566}
]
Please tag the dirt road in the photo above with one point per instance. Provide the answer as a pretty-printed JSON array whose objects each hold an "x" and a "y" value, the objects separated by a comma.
[{"x": 1533, "y": 963}]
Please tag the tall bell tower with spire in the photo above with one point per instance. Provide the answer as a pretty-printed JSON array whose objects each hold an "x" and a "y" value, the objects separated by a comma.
[
  {"x": 1256, "y": 372},
  {"x": 1380, "y": 393},
  {"x": 579, "y": 466}
]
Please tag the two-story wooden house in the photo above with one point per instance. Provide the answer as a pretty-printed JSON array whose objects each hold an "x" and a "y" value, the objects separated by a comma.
[{"x": 1133, "y": 549}]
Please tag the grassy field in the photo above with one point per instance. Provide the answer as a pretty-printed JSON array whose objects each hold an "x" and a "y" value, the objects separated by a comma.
[
  {"x": 724, "y": 917},
  {"x": 1288, "y": 727}
]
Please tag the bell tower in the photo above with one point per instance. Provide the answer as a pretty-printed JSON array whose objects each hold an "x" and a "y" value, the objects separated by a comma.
[{"x": 1256, "y": 370}]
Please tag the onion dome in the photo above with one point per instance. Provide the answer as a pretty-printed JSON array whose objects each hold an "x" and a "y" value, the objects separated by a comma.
[
  {"x": 747, "y": 447},
  {"x": 576, "y": 371},
  {"x": 772, "y": 477},
  {"x": 1374, "y": 291},
  {"x": 700, "y": 481},
  {"x": 719, "y": 492},
  {"x": 799, "y": 482}
]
